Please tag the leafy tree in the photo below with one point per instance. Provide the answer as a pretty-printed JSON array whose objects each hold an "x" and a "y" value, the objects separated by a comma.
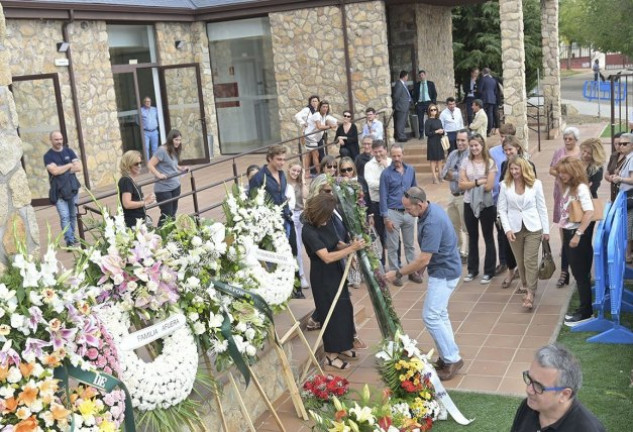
[{"x": 477, "y": 39}]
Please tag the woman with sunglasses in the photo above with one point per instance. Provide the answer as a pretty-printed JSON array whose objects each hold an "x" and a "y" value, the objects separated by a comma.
[
  {"x": 347, "y": 137},
  {"x": 130, "y": 194},
  {"x": 164, "y": 165},
  {"x": 434, "y": 152},
  {"x": 329, "y": 166},
  {"x": 624, "y": 179},
  {"x": 327, "y": 252},
  {"x": 616, "y": 161}
]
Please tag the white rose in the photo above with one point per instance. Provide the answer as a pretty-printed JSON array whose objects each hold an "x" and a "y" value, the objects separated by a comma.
[
  {"x": 14, "y": 375},
  {"x": 251, "y": 350},
  {"x": 193, "y": 316},
  {"x": 198, "y": 328},
  {"x": 196, "y": 241},
  {"x": 17, "y": 321}
]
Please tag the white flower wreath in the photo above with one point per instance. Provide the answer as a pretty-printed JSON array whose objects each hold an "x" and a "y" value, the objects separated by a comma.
[{"x": 169, "y": 378}]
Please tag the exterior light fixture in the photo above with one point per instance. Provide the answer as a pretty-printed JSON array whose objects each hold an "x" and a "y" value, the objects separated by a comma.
[
  {"x": 62, "y": 47},
  {"x": 179, "y": 44}
]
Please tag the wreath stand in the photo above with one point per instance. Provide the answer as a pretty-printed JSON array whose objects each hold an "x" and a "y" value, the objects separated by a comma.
[{"x": 326, "y": 321}]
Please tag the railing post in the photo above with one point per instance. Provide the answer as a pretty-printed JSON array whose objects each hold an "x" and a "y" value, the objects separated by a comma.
[
  {"x": 196, "y": 207},
  {"x": 80, "y": 226},
  {"x": 235, "y": 175}
]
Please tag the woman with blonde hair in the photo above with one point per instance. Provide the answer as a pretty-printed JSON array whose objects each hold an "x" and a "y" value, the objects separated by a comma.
[
  {"x": 434, "y": 152},
  {"x": 299, "y": 191},
  {"x": 476, "y": 179},
  {"x": 593, "y": 156},
  {"x": 130, "y": 195},
  {"x": 577, "y": 236},
  {"x": 523, "y": 215}
]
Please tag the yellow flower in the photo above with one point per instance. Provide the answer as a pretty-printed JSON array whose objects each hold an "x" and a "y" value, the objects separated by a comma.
[
  {"x": 107, "y": 426},
  {"x": 339, "y": 427},
  {"x": 402, "y": 378},
  {"x": 87, "y": 408}
]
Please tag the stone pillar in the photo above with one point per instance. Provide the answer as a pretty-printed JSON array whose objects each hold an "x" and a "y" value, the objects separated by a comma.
[
  {"x": 17, "y": 218},
  {"x": 551, "y": 63},
  {"x": 513, "y": 60},
  {"x": 435, "y": 47}
]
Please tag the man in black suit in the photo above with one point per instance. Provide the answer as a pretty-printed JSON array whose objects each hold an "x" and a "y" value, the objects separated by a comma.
[
  {"x": 471, "y": 92},
  {"x": 489, "y": 91},
  {"x": 424, "y": 94},
  {"x": 401, "y": 103}
]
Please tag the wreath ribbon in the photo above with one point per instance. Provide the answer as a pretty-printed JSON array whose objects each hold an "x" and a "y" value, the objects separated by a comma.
[
  {"x": 260, "y": 304},
  {"x": 100, "y": 380}
]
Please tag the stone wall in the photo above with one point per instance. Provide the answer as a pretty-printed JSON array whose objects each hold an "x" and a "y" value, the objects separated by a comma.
[
  {"x": 306, "y": 64},
  {"x": 435, "y": 47},
  {"x": 551, "y": 63},
  {"x": 181, "y": 84},
  {"x": 17, "y": 218},
  {"x": 513, "y": 58}
]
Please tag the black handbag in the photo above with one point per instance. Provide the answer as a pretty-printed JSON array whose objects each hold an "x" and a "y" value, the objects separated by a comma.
[{"x": 547, "y": 267}]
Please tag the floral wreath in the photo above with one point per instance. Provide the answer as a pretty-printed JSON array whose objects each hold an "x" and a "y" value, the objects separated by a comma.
[
  {"x": 169, "y": 378},
  {"x": 255, "y": 224}
]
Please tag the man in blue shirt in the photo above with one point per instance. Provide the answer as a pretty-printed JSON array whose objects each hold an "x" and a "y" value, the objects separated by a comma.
[
  {"x": 149, "y": 115},
  {"x": 394, "y": 181},
  {"x": 439, "y": 255},
  {"x": 62, "y": 165}
]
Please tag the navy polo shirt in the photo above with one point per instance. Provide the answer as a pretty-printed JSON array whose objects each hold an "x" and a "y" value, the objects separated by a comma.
[{"x": 436, "y": 236}]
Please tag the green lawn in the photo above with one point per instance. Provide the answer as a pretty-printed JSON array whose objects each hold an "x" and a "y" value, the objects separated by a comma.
[
  {"x": 606, "y": 389},
  {"x": 606, "y": 132}
]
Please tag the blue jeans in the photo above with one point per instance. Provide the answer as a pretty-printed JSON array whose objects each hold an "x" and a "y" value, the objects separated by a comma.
[
  {"x": 68, "y": 217},
  {"x": 151, "y": 143},
  {"x": 167, "y": 210},
  {"x": 435, "y": 316}
]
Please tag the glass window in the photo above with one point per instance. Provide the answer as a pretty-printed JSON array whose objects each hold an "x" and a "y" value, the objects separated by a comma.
[
  {"x": 131, "y": 44},
  {"x": 244, "y": 84}
]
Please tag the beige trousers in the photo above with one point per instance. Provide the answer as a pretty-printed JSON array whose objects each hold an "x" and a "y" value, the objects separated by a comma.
[
  {"x": 455, "y": 212},
  {"x": 525, "y": 248}
]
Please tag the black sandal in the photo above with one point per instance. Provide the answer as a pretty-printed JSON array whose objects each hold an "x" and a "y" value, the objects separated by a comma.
[
  {"x": 563, "y": 279},
  {"x": 341, "y": 365},
  {"x": 349, "y": 354}
]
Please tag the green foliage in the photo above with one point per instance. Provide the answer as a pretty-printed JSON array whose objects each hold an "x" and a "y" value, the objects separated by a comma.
[
  {"x": 606, "y": 26},
  {"x": 477, "y": 40}
]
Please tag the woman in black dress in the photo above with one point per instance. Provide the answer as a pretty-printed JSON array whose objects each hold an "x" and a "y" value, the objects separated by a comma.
[
  {"x": 326, "y": 252},
  {"x": 130, "y": 195},
  {"x": 347, "y": 137},
  {"x": 434, "y": 151}
]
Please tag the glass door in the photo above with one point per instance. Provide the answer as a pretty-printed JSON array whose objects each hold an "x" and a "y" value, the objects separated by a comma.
[
  {"x": 127, "y": 104},
  {"x": 183, "y": 109}
]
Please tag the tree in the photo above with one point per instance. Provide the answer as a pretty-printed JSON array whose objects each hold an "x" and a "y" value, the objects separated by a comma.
[{"x": 477, "y": 39}]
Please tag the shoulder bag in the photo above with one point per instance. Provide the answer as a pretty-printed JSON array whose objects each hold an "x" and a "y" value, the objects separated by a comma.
[
  {"x": 576, "y": 211},
  {"x": 446, "y": 143},
  {"x": 547, "y": 267},
  {"x": 149, "y": 222}
]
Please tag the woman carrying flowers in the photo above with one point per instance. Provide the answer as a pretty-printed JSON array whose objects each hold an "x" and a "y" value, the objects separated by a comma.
[{"x": 326, "y": 253}]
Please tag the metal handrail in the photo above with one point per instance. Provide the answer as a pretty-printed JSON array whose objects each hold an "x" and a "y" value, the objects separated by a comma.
[
  {"x": 538, "y": 121},
  {"x": 195, "y": 190}
]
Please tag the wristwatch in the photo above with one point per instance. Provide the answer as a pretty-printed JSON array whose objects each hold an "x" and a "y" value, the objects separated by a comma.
[
  {"x": 579, "y": 233},
  {"x": 398, "y": 274}
]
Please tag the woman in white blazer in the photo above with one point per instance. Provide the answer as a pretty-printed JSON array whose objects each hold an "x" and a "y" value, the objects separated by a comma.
[{"x": 523, "y": 214}]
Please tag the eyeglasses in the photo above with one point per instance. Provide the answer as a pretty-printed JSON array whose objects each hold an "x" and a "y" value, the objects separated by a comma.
[
  {"x": 138, "y": 164},
  {"x": 326, "y": 191},
  {"x": 622, "y": 144},
  {"x": 332, "y": 166},
  {"x": 346, "y": 170},
  {"x": 537, "y": 386},
  {"x": 347, "y": 116}
]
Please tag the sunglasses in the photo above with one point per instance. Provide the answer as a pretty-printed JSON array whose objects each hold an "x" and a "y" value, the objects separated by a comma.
[
  {"x": 332, "y": 166},
  {"x": 346, "y": 170},
  {"x": 138, "y": 164},
  {"x": 433, "y": 109},
  {"x": 326, "y": 191},
  {"x": 347, "y": 116},
  {"x": 622, "y": 144},
  {"x": 537, "y": 386}
]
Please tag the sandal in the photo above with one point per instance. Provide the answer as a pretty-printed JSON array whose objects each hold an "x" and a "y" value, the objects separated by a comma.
[
  {"x": 313, "y": 324},
  {"x": 507, "y": 281},
  {"x": 563, "y": 279},
  {"x": 349, "y": 354},
  {"x": 359, "y": 344},
  {"x": 528, "y": 302},
  {"x": 336, "y": 363},
  {"x": 521, "y": 290}
]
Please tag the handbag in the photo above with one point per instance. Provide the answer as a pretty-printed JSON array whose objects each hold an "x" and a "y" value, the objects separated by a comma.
[
  {"x": 576, "y": 212},
  {"x": 446, "y": 143},
  {"x": 149, "y": 222},
  {"x": 547, "y": 267}
]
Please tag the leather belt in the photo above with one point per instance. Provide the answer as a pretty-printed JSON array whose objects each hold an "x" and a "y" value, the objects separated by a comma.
[
  {"x": 457, "y": 193},
  {"x": 148, "y": 130},
  {"x": 398, "y": 210}
]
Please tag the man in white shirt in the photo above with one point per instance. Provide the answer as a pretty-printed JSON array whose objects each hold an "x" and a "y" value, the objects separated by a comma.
[
  {"x": 480, "y": 122},
  {"x": 373, "y": 126},
  {"x": 373, "y": 169},
  {"x": 452, "y": 121}
]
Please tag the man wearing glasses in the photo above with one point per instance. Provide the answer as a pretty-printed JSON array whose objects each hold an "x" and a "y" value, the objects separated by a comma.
[
  {"x": 452, "y": 121},
  {"x": 373, "y": 126},
  {"x": 552, "y": 383},
  {"x": 440, "y": 257}
]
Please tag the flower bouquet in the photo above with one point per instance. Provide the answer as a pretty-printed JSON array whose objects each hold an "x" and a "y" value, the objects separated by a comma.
[{"x": 320, "y": 390}]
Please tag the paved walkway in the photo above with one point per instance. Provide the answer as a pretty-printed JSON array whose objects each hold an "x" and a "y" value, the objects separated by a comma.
[{"x": 496, "y": 337}]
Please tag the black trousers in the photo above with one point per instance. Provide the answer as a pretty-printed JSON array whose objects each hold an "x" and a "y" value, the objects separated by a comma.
[
  {"x": 420, "y": 110},
  {"x": 505, "y": 251},
  {"x": 580, "y": 260},
  {"x": 487, "y": 220},
  {"x": 468, "y": 101},
  {"x": 167, "y": 210},
  {"x": 490, "y": 112}
]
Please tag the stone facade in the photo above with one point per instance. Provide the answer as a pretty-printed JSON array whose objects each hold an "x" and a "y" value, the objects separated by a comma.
[
  {"x": 513, "y": 58},
  {"x": 551, "y": 63},
  {"x": 17, "y": 218},
  {"x": 181, "y": 84},
  {"x": 435, "y": 47}
]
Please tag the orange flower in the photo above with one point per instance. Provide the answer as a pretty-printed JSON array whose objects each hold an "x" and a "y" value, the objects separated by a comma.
[
  {"x": 26, "y": 369},
  {"x": 59, "y": 412},
  {"x": 27, "y": 425},
  {"x": 4, "y": 372},
  {"x": 51, "y": 360},
  {"x": 339, "y": 415},
  {"x": 10, "y": 405},
  {"x": 28, "y": 395}
]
